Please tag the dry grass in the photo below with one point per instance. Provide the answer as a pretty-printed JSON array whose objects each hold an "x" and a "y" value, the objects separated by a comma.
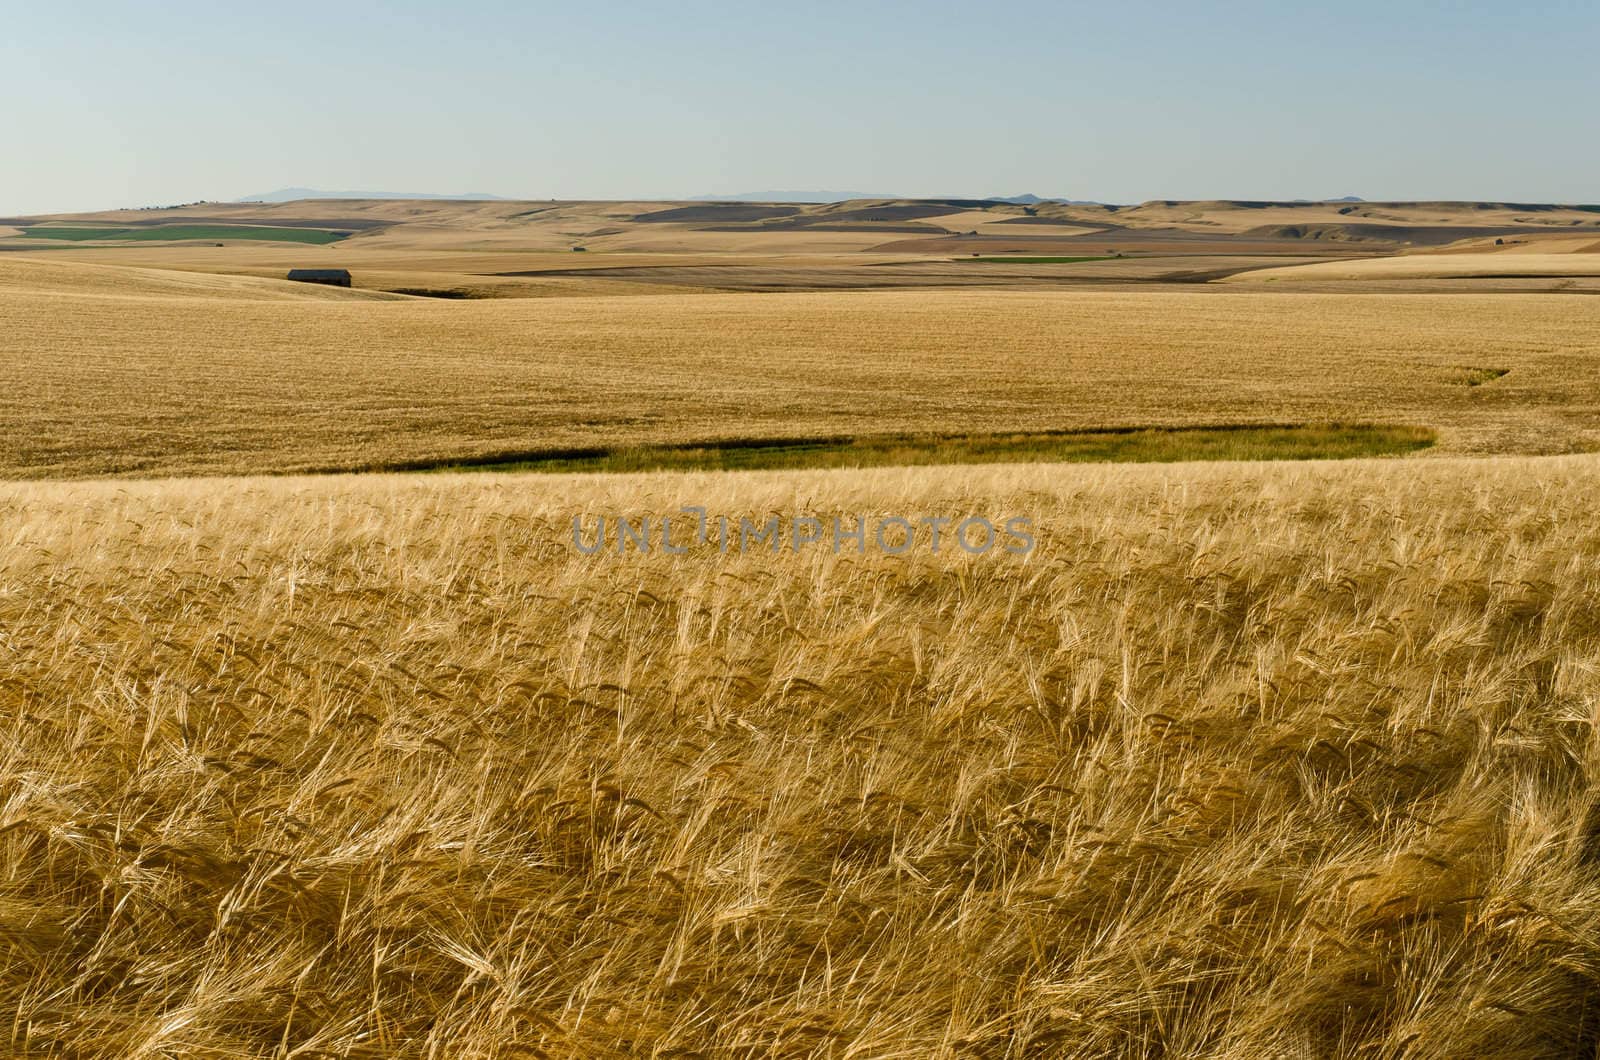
[
  {"x": 1516, "y": 262},
  {"x": 138, "y": 381},
  {"x": 63, "y": 287},
  {"x": 1250, "y": 761}
]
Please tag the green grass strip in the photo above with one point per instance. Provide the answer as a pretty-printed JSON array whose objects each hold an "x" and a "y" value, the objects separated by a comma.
[{"x": 214, "y": 233}]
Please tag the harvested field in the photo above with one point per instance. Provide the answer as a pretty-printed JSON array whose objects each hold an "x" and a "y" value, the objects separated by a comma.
[
  {"x": 717, "y": 213},
  {"x": 1028, "y": 241},
  {"x": 1483, "y": 266}
]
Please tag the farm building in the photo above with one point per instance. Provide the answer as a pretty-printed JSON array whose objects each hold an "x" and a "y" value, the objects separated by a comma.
[{"x": 332, "y": 277}]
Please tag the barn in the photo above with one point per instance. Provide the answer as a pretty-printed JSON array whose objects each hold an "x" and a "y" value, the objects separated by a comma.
[{"x": 331, "y": 277}]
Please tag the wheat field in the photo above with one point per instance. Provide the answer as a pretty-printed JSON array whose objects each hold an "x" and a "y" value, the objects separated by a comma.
[
  {"x": 1514, "y": 264},
  {"x": 1240, "y": 761},
  {"x": 132, "y": 371}
]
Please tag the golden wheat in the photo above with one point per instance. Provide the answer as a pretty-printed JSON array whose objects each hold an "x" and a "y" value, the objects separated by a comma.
[
  {"x": 1242, "y": 761},
  {"x": 135, "y": 382},
  {"x": 1517, "y": 264}
]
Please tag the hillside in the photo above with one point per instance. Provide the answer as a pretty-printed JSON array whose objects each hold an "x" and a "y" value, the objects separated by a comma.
[
  {"x": 177, "y": 373},
  {"x": 545, "y": 225}
]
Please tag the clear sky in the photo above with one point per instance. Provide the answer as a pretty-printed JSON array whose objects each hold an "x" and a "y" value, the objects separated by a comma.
[{"x": 121, "y": 104}]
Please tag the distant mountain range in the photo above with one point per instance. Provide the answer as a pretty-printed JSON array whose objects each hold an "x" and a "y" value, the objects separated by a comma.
[
  {"x": 842, "y": 196},
  {"x": 792, "y": 196},
  {"x": 1034, "y": 200},
  {"x": 291, "y": 194}
]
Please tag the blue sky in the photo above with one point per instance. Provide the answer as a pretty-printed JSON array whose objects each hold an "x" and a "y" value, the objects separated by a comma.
[{"x": 122, "y": 104}]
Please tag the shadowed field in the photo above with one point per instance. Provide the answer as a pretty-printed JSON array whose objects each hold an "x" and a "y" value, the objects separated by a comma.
[
  {"x": 1306, "y": 442},
  {"x": 1241, "y": 761}
]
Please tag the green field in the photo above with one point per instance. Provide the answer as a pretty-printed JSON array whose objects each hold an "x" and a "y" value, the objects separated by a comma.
[
  {"x": 1151, "y": 445},
  {"x": 176, "y": 232},
  {"x": 1038, "y": 260}
]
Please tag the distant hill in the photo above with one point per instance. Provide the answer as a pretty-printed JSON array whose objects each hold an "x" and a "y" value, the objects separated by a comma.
[
  {"x": 845, "y": 196},
  {"x": 293, "y": 194},
  {"x": 793, "y": 196}
]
